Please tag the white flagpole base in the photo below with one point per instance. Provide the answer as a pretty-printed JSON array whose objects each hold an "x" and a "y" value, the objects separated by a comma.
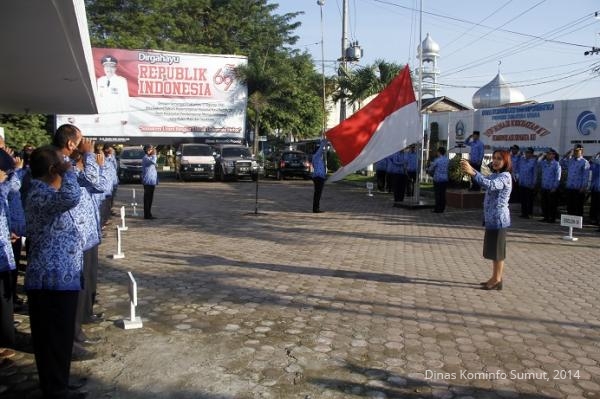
[
  {"x": 118, "y": 256},
  {"x": 132, "y": 324},
  {"x": 570, "y": 238}
]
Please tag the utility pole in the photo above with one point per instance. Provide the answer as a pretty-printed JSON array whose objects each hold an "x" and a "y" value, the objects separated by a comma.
[{"x": 343, "y": 61}]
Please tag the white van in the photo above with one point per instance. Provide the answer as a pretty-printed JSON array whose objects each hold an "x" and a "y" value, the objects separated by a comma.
[{"x": 194, "y": 161}]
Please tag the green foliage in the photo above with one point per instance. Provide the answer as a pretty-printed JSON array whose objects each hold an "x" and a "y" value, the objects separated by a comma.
[
  {"x": 357, "y": 85},
  {"x": 456, "y": 176},
  {"x": 333, "y": 161},
  {"x": 25, "y": 129}
]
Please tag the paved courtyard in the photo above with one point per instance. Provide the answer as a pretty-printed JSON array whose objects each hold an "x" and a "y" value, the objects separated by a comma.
[{"x": 361, "y": 301}]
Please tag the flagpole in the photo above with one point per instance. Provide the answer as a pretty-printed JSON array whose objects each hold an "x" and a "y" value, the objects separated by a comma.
[{"x": 417, "y": 192}]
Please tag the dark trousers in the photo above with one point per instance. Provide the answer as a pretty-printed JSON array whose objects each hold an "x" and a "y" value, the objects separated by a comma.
[
  {"x": 7, "y": 326},
  {"x": 92, "y": 282},
  {"x": 52, "y": 316},
  {"x": 439, "y": 192},
  {"x": 549, "y": 202},
  {"x": 399, "y": 186},
  {"x": 474, "y": 185},
  {"x": 527, "y": 195},
  {"x": 575, "y": 199},
  {"x": 380, "y": 177},
  {"x": 319, "y": 182},
  {"x": 595, "y": 206},
  {"x": 410, "y": 183},
  {"x": 515, "y": 194},
  {"x": 17, "y": 246},
  {"x": 148, "y": 198}
]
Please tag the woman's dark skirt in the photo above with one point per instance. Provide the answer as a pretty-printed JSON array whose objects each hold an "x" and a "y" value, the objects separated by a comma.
[{"x": 494, "y": 244}]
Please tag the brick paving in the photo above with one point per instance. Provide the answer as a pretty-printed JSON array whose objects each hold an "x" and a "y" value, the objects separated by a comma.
[{"x": 361, "y": 301}]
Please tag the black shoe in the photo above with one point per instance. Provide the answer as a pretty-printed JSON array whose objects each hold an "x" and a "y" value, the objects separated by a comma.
[
  {"x": 317, "y": 211},
  {"x": 77, "y": 382},
  {"x": 95, "y": 318},
  {"x": 81, "y": 354},
  {"x": 497, "y": 286},
  {"x": 85, "y": 340},
  {"x": 150, "y": 217},
  {"x": 77, "y": 395},
  {"x": 437, "y": 211}
]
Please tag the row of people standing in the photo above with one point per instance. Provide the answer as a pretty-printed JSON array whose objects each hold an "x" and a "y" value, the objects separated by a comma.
[
  {"x": 70, "y": 185},
  {"x": 545, "y": 172},
  {"x": 397, "y": 173}
]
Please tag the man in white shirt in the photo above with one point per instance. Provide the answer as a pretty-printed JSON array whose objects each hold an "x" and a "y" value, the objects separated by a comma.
[{"x": 113, "y": 95}]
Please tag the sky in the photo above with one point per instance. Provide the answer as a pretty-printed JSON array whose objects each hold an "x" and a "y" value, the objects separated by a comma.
[{"x": 537, "y": 45}]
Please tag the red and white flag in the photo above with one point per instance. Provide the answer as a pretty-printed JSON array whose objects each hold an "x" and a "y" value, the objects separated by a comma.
[{"x": 389, "y": 123}]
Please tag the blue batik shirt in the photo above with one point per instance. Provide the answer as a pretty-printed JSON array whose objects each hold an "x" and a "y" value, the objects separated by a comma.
[
  {"x": 318, "y": 163},
  {"x": 439, "y": 169},
  {"x": 15, "y": 205},
  {"x": 578, "y": 172},
  {"x": 86, "y": 213},
  {"x": 389, "y": 166},
  {"x": 411, "y": 161},
  {"x": 149, "y": 173},
  {"x": 595, "y": 169},
  {"x": 7, "y": 258},
  {"x": 527, "y": 172},
  {"x": 515, "y": 162},
  {"x": 55, "y": 255},
  {"x": 475, "y": 151},
  {"x": 495, "y": 203},
  {"x": 550, "y": 175},
  {"x": 398, "y": 163},
  {"x": 381, "y": 165}
]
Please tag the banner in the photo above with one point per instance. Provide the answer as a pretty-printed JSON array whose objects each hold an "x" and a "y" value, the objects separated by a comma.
[
  {"x": 537, "y": 126},
  {"x": 165, "y": 95}
]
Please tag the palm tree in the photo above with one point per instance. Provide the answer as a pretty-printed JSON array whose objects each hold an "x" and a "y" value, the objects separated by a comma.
[{"x": 356, "y": 86}]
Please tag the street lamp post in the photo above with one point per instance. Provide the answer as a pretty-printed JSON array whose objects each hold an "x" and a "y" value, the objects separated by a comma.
[{"x": 321, "y": 3}]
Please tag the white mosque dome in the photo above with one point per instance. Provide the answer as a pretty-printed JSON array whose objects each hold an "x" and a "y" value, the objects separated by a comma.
[
  {"x": 496, "y": 93},
  {"x": 430, "y": 48}
]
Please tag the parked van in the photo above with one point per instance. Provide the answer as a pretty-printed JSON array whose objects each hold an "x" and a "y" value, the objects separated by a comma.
[
  {"x": 130, "y": 164},
  {"x": 194, "y": 161}
]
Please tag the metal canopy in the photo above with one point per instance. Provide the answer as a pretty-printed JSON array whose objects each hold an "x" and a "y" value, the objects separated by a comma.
[{"x": 46, "y": 59}]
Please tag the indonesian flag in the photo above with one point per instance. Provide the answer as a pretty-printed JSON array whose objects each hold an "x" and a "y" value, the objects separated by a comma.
[{"x": 389, "y": 123}]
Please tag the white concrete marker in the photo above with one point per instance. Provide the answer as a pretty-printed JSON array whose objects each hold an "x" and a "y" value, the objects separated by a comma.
[
  {"x": 370, "y": 188},
  {"x": 123, "y": 227},
  {"x": 133, "y": 203},
  {"x": 571, "y": 221},
  {"x": 134, "y": 321},
  {"x": 119, "y": 254}
]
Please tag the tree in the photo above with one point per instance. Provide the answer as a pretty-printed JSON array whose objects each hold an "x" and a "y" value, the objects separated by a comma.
[
  {"x": 356, "y": 86},
  {"x": 25, "y": 129}
]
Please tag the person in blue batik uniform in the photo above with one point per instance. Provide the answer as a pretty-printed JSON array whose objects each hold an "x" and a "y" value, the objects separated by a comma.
[
  {"x": 7, "y": 267},
  {"x": 54, "y": 267},
  {"x": 527, "y": 174},
  {"x": 380, "y": 173},
  {"x": 399, "y": 176},
  {"x": 550, "y": 173},
  {"x": 319, "y": 175},
  {"x": 496, "y": 212},
  {"x": 515, "y": 158},
  {"x": 411, "y": 170},
  {"x": 149, "y": 179},
  {"x": 578, "y": 175},
  {"x": 476, "y": 152},
  {"x": 595, "y": 189},
  {"x": 439, "y": 170}
]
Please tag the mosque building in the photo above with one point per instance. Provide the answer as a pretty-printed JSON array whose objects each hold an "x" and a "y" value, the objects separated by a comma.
[{"x": 503, "y": 115}]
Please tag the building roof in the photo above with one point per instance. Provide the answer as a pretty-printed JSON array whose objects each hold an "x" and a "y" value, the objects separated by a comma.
[
  {"x": 46, "y": 60},
  {"x": 442, "y": 104}
]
